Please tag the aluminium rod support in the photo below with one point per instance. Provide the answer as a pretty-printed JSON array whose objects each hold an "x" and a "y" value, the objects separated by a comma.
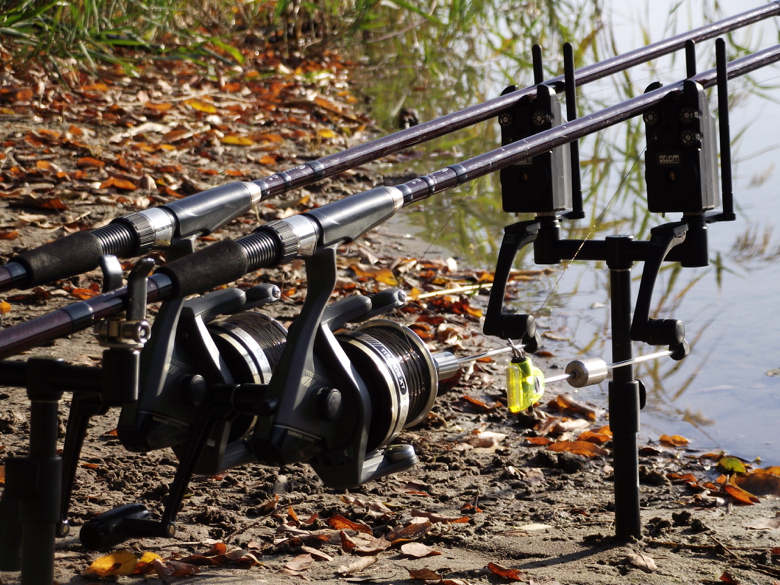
[{"x": 131, "y": 235}]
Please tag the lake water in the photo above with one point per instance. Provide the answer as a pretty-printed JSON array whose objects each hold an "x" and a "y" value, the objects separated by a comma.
[{"x": 722, "y": 395}]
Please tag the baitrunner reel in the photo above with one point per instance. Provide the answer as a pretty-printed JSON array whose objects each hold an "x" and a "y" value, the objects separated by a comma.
[{"x": 224, "y": 392}]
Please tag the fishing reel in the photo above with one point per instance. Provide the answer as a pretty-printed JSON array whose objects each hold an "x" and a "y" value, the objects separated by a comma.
[
  {"x": 384, "y": 380},
  {"x": 224, "y": 385}
]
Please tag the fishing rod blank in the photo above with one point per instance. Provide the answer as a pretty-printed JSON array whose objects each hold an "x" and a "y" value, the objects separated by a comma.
[
  {"x": 342, "y": 221},
  {"x": 200, "y": 214}
]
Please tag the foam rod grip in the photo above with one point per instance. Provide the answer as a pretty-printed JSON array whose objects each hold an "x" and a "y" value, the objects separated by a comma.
[
  {"x": 220, "y": 263},
  {"x": 74, "y": 254}
]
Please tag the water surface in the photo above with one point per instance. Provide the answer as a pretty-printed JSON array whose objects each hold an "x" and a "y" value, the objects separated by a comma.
[{"x": 721, "y": 396}]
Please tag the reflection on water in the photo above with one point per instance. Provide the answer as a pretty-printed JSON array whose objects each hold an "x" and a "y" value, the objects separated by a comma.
[{"x": 454, "y": 57}]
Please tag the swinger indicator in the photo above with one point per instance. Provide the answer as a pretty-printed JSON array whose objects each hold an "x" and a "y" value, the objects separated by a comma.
[{"x": 524, "y": 384}]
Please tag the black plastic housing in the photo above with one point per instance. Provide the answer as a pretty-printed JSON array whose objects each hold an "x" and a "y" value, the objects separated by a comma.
[
  {"x": 681, "y": 159},
  {"x": 541, "y": 184}
]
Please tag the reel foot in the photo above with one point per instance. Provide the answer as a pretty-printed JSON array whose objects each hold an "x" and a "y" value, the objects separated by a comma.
[{"x": 112, "y": 527}]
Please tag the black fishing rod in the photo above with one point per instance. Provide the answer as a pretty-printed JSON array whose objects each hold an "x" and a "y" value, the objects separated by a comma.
[
  {"x": 342, "y": 221},
  {"x": 135, "y": 234}
]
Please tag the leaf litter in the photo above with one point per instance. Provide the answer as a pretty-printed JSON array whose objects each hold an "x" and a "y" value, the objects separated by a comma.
[{"x": 106, "y": 146}]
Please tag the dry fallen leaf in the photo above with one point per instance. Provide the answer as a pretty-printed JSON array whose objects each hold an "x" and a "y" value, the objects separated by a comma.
[
  {"x": 166, "y": 569},
  {"x": 506, "y": 572},
  {"x": 410, "y": 532},
  {"x": 673, "y": 440},
  {"x": 145, "y": 563},
  {"x": 338, "y": 522},
  {"x": 760, "y": 482},
  {"x": 433, "y": 517},
  {"x": 644, "y": 562},
  {"x": 578, "y": 447},
  {"x": 237, "y": 140},
  {"x": 201, "y": 106},
  {"x": 424, "y": 575},
  {"x": 417, "y": 550},
  {"x": 739, "y": 494},
  {"x": 300, "y": 563},
  {"x": 357, "y": 566},
  {"x": 568, "y": 402},
  {"x": 121, "y": 562},
  {"x": 383, "y": 275}
]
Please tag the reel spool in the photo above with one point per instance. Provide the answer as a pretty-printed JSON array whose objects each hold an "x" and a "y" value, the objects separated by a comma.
[
  {"x": 250, "y": 344},
  {"x": 400, "y": 374}
]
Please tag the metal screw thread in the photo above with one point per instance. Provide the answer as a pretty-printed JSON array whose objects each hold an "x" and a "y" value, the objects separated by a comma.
[
  {"x": 116, "y": 239},
  {"x": 262, "y": 249}
]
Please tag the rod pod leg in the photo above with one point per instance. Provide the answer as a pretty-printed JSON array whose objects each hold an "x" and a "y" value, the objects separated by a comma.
[
  {"x": 623, "y": 394},
  {"x": 10, "y": 532}
]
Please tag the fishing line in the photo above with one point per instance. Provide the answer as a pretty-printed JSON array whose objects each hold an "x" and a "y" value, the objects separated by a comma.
[{"x": 593, "y": 227}]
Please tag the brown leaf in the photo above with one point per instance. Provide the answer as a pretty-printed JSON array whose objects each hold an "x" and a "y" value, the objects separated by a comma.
[
  {"x": 370, "y": 545},
  {"x": 357, "y": 566},
  {"x": 596, "y": 438},
  {"x": 578, "y": 447},
  {"x": 726, "y": 577},
  {"x": 506, "y": 573},
  {"x": 218, "y": 548},
  {"x": 166, "y": 569},
  {"x": 410, "y": 532},
  {"x": 40, "y": 202},
  {"x": 300, "y": 563},
  {"x": 424, "y": 575},
  {"x": 145, "y": 564},
  {"x": 266, "y": 159},
  {"x": 269, "y": 506},
  {"x": 644, "y": 562},
  {"x": 83, "y": 293},
  {"x": 740, "y": 495},
  {"x": 176, "y": 135},
  {"x": 24, "y": 95},
  {"x": 383, "y": 275},
  {"x": 267, "y": 138},
  {"x": 291, "y": 513},
  {"x": 8, "y": 234},
  {"x": 242, "y": 558},
  {"x": 539, "y": 440},
  {"x": 161, "y": 107},
  {"x": 317, "y": 554},
  {"x": 88, "y": 162},
  {"x": 568, "y": 402},
  {"x": 674, "y": 440},
  {"x": 123, "y": 184},
  {"x": 479, "y": 404},
  {"x": 418, "y": 550},
  {"x": 438, "y": 518},
  {"x": 759, "y": 482},
  {"x": 347, "y": 544},
  {"x": 338, "y": 522}
]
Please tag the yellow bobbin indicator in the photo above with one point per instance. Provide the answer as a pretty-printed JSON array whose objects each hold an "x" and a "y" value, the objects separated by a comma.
[{"x": 524, "y": 384}]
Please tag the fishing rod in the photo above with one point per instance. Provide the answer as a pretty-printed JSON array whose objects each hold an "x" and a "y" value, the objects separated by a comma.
[
  {"x": 162, "y": 227},
  {"x": 303, "y": 235},
  {"x": 338, "y": 398}
]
